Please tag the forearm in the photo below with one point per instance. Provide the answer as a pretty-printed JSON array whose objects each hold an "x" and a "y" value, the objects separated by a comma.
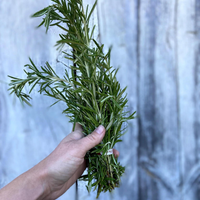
[{"x": 30, "y": 185}]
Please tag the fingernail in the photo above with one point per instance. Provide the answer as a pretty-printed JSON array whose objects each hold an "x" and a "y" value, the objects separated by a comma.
[{"x": 100, "y": 129}]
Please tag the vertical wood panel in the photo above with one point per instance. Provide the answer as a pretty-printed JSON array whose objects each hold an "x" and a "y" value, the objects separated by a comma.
[
  {"x": 196, "y": 182},
  {"x": 158, "y": 131},
  {"x": 186, "y": 62},
  {"x": 27, "y": 134},
  {"x": 166, "y": 112},
  {"x": 147, "y": 185}
]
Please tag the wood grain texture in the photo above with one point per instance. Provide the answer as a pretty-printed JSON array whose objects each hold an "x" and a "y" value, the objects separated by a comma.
[
  {"x": 156, "y": 44},
  {"x": 186, "y": 72},
  {"x": 27, "y": 134},
  {"x": 158, "y": 131}
]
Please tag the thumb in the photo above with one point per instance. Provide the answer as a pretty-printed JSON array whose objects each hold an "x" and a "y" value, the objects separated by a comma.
[{"x": 92, "y": 139}]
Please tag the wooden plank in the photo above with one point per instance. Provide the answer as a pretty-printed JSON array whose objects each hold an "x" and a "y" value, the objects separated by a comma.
[
  {"x": 187, "y": 73},
  {"x": 157, "y": 93},
  {"x": 27, "y": 134},
  {"x": 197, "y": 78},
  {"x": 196, "y": 94}
]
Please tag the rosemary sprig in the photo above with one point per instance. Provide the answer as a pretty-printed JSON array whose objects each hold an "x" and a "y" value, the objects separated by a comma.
[{"x": 92, "y": 98}]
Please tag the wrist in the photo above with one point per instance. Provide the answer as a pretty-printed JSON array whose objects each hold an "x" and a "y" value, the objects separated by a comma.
[
  {"x": 38, "y": 177},
  {"x": 29, "y": 185}
]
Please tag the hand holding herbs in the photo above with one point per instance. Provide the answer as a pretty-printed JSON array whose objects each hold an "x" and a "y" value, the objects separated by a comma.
[
  {"x": 92, "y": 94},
  {"x": 50, "y": 178}
]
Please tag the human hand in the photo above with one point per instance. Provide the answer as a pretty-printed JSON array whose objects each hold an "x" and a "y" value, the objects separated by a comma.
[
  {"x": 66, "y": 163},
  {"x": 50, "y": 178}
]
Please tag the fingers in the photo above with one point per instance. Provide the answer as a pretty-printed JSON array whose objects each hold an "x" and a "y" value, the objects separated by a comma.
[
  {"x": 92, "y": 139},
  {"x": 78, "y": 127},
  {"x": 77, "y": 133},
  {"x": 116, "y": 153}
]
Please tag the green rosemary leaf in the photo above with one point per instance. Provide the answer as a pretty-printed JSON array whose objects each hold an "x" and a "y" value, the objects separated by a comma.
[
  {"x": 86, "y": 12},
  {"x": 27, "y": 102},
  {"x": 40, "y": 13},
  {"x": 36, "y": 82},
  {"x": 41, "y": 23},
  {"x": 69, "y": 42},
  {"x": 56, "y": 1},
  {"x": 85, "y": 108},
  {"x": 92, "y": 32},
  {"x": 93, "y": 7}
]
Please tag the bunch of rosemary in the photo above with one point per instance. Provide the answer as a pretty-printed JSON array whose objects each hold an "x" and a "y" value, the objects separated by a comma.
[{"x": 92, "y": 95}]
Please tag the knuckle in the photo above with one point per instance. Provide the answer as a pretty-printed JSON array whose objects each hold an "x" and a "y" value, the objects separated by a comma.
[
  {"x": 93, "y": 139},
  {"x": 76, "y": 134}
]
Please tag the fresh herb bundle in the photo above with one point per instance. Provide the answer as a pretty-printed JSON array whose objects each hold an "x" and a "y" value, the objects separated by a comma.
[{"x": 93, "y": 95}]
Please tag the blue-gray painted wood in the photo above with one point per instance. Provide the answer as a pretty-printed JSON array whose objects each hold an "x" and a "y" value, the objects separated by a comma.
[
  {"x": 158, "y": 129},
  {"x": 27, "y": 134},
  {"x": 156, "y": 44}
]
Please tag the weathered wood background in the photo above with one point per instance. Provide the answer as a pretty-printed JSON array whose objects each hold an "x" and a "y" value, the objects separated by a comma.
[{"x": 156, "y": 45}]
